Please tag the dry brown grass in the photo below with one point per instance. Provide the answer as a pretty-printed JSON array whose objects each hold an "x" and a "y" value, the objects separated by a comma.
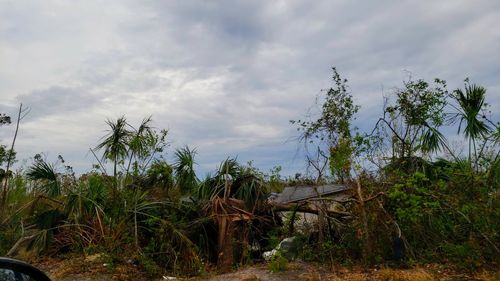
[
  {"x": 489, "y": 275},
  {"x": 386, "y": 274},
  {"x": 349, "y": 277},
  {"x": 251, "y": 278},
  {"x": 417, "y": 274}
]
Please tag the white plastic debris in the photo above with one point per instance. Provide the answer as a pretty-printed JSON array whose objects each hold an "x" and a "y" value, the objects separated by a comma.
[
  {"x": 269, "y": 254},
  {"x": 285, "y": 245}
]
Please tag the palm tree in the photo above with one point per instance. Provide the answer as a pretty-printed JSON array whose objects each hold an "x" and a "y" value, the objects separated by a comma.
[
  {"x": 185, "y": 175},
  {"x": 471, "y": 102},
  {"x": 215, "y": 184},
  {"x": 116, "y": 144},
  {"x": 139, "y": 140}
]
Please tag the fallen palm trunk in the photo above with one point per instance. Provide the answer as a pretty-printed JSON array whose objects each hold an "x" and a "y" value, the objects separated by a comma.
[{"x": 227, "y": 212}]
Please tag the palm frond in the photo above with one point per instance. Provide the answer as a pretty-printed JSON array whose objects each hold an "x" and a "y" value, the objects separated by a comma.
[
  {"x": 432, "y": 140},
  {"x": 115, "y": 143},
  {"x": 45, "y": 177},
  {"x": 185, "y": 174},
  {"x": 471, "y": 102}
]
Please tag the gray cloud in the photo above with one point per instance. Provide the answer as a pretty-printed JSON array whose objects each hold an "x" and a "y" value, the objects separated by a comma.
[
  {"x": 57, "y": 100},
  {"x": 225, "y": 77}
]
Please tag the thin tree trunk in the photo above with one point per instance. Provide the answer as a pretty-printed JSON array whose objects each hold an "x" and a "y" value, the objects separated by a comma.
[
  {"x": 9, "y": 160},
  {"x": 128, "y": 166},
  {"x": 470, "y": 158},
  {"x": 136, "y": 234},
  {"x": 226, "y": 229},
  {"x": 115, "y": 185},
  {"x": 321, "y": 216},
  {"x": 291, "y": 224},
  {"x": 364, "y": 221},
  {"x": 99, "y": 161},
  {"x": 475, "y": 155}
]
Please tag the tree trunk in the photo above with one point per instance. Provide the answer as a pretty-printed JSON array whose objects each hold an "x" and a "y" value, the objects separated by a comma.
[
  {"x": 225, "y": 245},
  {"x": 9, "y": 161},
  {"x": 367, "y": 249}
]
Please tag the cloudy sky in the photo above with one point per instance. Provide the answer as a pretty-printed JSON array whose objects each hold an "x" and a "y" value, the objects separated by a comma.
[{"x": 224, "y": 76}]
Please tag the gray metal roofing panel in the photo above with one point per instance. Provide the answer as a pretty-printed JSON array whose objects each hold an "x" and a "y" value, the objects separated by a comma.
[{"x": 298, "y": 193}]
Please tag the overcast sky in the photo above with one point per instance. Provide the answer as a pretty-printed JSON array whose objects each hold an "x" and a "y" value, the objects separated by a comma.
[{"x": 225, "y": 77}]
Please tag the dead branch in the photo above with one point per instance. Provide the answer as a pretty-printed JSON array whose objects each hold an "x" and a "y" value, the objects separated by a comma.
[
  {"x": 19, "y": 242},
  {"x": 373, "y": 197},
  {"x": 9, "y": 158}
]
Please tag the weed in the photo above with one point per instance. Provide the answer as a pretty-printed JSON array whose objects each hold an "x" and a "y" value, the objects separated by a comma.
[{"x": 278, "y": 263}]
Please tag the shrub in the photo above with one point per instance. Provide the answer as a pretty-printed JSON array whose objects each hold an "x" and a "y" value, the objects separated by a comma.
[{"x": 278, "y": 263}]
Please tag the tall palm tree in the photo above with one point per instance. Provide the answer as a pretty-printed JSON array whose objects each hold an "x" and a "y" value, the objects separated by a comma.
[
  {"x": 471, "y": 102},
  {"x": 116, "y": 144}
]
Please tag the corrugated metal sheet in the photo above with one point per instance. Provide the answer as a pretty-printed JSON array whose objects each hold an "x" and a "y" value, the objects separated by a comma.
[{"x": 298, "y": 193}]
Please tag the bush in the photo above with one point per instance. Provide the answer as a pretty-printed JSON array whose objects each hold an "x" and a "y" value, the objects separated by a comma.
[{"x": 278, "y": 263}]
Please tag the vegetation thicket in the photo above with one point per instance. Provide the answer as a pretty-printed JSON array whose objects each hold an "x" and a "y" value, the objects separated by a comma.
[{"x": 415, "y": 197}]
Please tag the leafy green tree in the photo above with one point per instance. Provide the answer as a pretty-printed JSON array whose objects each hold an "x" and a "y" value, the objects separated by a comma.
[
  {"x": 331, "y": 131},
  {"x": 412, "y": 122}
]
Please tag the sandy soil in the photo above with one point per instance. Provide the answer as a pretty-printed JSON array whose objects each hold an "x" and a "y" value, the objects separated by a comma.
[
  {"x": 295, "y": 271},
  {"x": 79, "y": 269}
]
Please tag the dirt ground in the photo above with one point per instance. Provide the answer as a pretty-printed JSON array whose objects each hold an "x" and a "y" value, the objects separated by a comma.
[
  {"x": 80, "y": 269},
  {"x": 312, "y": 272}
]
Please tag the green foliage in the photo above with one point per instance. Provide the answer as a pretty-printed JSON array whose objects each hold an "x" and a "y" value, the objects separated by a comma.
[
  {"x": 336, "y": 115},
  {"x": 471, "y": 111},
  {"x": 471, "y": 102},
  {"x": 442, "y": 209},
  {"x": 411, "y": 122},
  {"x": 45, "y": 177},
  {"x": 247, "y": 183},
  {"x": 162, "y": 214},
  {"x": 150, "y": 266},
  {"x": 4, "y": 119},
  {"x": 340, "y": 158},
  {"x": 5, "y": 155},
  {"x": 410, "y": 199},
  {"x": 418, "y": 103},
  {"x": 465, "y": 255},
  {"x": 161, "y": 174},
  {"x": 447, "y": 218},
  {"x": 115, "y": 143},
  {"x": 333, "y": 127},
  {"x": 278, "y": 263},
  {"x": 187, "y": 181},
  {"x": 275, "y": 180}
]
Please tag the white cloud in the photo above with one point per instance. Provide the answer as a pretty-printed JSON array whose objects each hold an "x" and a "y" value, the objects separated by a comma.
[{"x": 225, "y": 77}]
